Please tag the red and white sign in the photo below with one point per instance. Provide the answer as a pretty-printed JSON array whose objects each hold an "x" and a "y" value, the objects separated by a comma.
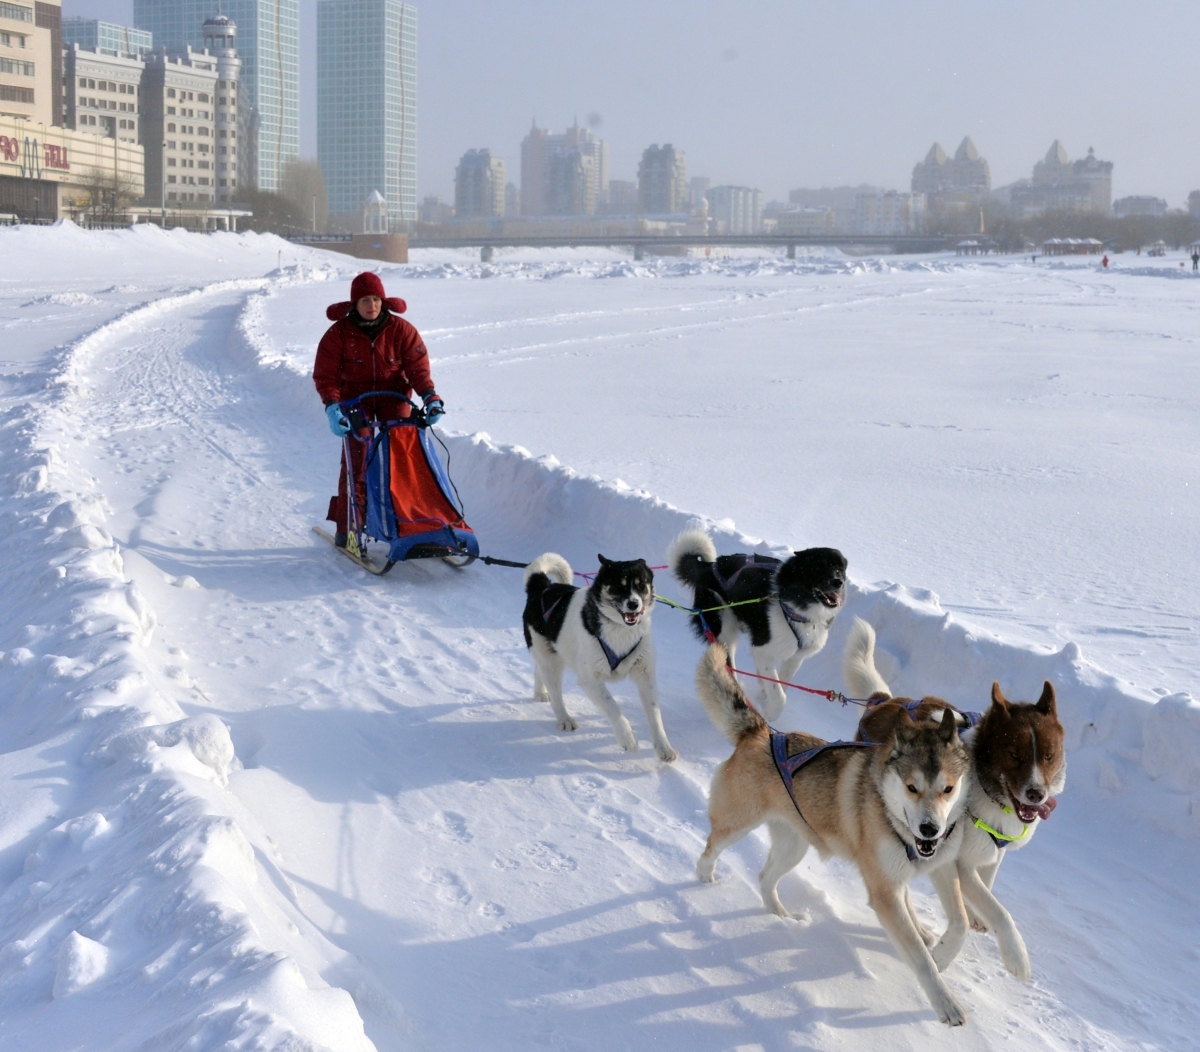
[{"x": 56, "y": 157}]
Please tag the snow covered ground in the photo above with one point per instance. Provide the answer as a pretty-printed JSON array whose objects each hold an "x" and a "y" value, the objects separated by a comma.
[{"x": 254, "y": 798}]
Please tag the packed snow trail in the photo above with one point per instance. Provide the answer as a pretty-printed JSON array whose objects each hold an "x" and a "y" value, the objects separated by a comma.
[{"x": 418, "y": 832}]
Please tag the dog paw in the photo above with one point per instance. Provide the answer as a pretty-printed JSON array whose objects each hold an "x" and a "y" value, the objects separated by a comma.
[
  {"x": 1016, "y": 960},
  {"x": 949, "y": 1011},
  {"x": 626, "y": 738},
  {"x": 706, "y": 870},
  {"x": 666, "y": 753},
  {"x": 568, "y": 724}
]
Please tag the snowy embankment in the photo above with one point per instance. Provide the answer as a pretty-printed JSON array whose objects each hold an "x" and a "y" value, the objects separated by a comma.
[
  {"x": 151, "y": 892},
  {"x": 256, "y": 800}
]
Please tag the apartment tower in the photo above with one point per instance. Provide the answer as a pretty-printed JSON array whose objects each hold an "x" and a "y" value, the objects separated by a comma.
[
  {"x": 367, "y": 107},
  {"x": 269, "y": 46}
]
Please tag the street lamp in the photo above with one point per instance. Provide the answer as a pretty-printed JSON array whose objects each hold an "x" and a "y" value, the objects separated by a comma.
[{"x": 162, "y": 164}]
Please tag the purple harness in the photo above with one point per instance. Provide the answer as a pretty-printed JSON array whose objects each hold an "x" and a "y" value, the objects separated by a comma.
[
  {"x": 752, "y": 560},
  {"x": 613, "y": 659}
]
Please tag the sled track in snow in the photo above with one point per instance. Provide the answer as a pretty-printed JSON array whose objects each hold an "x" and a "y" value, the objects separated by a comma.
[{"x": 409, "y": 827}]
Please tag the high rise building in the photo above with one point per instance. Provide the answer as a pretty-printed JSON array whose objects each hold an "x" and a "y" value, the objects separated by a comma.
[
  {"x": 662, "y": 180},
  {"x": 367, "y": 106},
  {"x": 890, "y": 213},
  {"x": 105, "y": 37},
  {"x": 737, "y": 208},
  {"x": 31, "y": 78},
  {"x": 269, "y": 46},
  {"x": 179, "y": 126},
  {"x": 562, "y": 175},
  {"x": 1060, "y": 185},
  {"x": 101, "y": 90},
  {"x": 233, "y": 113},
  {"x": 952, "y": 184},
  {"x": 479, "y": 185}
]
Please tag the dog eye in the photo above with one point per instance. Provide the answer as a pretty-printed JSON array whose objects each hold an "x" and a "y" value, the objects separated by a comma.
[
  {"x": 948, "y": 790},
  {"x": 912, "y": 789}
]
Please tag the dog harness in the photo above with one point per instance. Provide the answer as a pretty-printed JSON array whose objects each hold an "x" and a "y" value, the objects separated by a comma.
[
  {"x": 613, "y": 659},
  {"x": 548, "y": 610},
  {"x": 793, "y": 619},
  {"x": 970, "y": 719},
  {"x": 1001, "y": 840},
  {"x": 787, "y": 766},
  {"x": 751, "y": 560}
]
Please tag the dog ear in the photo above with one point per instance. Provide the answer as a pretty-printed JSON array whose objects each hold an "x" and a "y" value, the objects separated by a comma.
[
  {"x": 1047, "y": 704},
  {"x": 906, "y": 729},
  {"x": 603, "y": 561},
  {"x": 998, "y": 698},
  {"x": 948, "y": 730}
]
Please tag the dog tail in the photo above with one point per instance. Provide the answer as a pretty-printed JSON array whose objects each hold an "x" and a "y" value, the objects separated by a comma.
[
  {"x": 723, "y": 697},
  {"x": 858, "y": 662},
  {"x": 553, "y": 567},
  {"x": 687, "y": 555}
]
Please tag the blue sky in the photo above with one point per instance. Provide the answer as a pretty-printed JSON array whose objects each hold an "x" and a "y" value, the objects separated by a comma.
[{"x": 778, "y": 94}]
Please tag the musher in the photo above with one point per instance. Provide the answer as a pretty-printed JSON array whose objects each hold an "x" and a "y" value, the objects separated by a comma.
[{"x": 369, "y": 347}]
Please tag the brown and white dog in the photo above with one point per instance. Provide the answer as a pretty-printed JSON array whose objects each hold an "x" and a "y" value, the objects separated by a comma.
[
  {"x": 1018, "y": 769},
  {"x": 894, "y": 808}
]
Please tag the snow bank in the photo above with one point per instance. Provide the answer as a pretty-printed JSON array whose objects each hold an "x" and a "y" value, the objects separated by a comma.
[
  {"x": 142, "y": 913},
  {"x": 1141, "y": 756},
  {"x": 1119, "y": 744}
]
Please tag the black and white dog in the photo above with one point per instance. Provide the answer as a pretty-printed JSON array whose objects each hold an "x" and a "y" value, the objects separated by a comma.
[
  {"x": 602, "y": 633},
  {"x": 786, "y": 607}
]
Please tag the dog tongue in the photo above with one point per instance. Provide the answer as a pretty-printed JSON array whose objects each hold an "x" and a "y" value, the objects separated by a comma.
[{"x": 1044, "y": 809}]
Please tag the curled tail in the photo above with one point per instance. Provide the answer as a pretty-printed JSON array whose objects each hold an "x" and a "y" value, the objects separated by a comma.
[
  {"x": 858, "y": 663},
  {"x": 689, "y": 555},
  {"x": 723, "y": 698},
  {"x": 547, "y": 569}
]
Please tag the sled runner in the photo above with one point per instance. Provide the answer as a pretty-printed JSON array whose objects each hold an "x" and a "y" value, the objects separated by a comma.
[{"x": 411, "y": 502}]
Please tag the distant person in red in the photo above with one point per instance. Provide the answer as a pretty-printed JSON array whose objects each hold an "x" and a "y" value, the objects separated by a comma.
[
  {"x": 369, "y": 347},
  {"x": 1104, "y": 262}
]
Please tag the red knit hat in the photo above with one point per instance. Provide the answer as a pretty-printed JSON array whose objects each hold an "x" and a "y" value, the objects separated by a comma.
[{"x": 366, "y": 284}]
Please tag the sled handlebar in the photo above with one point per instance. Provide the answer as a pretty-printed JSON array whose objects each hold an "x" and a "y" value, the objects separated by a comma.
[{"x": 351, "y": 404}]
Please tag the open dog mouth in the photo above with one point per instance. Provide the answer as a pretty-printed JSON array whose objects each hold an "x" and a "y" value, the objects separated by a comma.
[
  {"x": 831, "y": 598},
  {"x": 1028, "y": 812},
  {"x": 926, "y": 848},
  {"x": 631, "y": 617}
]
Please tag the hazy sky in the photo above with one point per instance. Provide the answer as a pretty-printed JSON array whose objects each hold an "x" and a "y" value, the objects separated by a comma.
[{"x": 780, "y": 94}]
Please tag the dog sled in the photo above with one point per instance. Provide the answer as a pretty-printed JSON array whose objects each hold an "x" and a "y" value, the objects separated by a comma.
[{"x": 411, "y": 504}]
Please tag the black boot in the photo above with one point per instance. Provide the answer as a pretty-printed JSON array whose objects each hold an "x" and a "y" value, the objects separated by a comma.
[{"x": 340, "y": 538}]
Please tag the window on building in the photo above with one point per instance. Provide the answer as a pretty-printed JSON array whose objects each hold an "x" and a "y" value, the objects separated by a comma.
[
  {"x": 171, "y": 111},
  {"x": 170, "y": 93},
  {"x": 202, "y": 97},
  {"x": 91, "y": 83},
  {"x": 170, "y": 162},
  {"x": 170, "y": 178}
]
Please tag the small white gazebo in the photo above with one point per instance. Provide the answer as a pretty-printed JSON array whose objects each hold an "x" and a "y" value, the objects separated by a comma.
[{"x": 375, "y": 214}]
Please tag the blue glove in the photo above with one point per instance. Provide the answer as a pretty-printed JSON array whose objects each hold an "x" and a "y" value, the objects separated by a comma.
[
  {"x": 435, "y": 409},
  {"x": 338, "y": 423}
]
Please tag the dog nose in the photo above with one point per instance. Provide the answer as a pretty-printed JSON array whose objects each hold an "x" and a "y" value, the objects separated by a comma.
[
  {"x": 928, "y": 830},
  {"x": 1035, "y": 795},
  {"x": 632, "y": 604}
]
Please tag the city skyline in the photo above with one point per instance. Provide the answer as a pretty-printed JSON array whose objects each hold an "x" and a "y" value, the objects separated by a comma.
[{"x": 757, "y": 104}]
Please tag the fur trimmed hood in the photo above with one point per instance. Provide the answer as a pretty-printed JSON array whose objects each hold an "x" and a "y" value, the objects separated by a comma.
[{"x": 337, "y": 311}]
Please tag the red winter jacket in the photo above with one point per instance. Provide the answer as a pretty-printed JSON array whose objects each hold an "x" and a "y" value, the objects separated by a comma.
[{"x": 349, "y": 363}]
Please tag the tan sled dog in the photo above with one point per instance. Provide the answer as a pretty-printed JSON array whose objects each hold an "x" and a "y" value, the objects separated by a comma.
[
  {"x": 1019, "y": 768},
  {"x": 892, "y": 808}
]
